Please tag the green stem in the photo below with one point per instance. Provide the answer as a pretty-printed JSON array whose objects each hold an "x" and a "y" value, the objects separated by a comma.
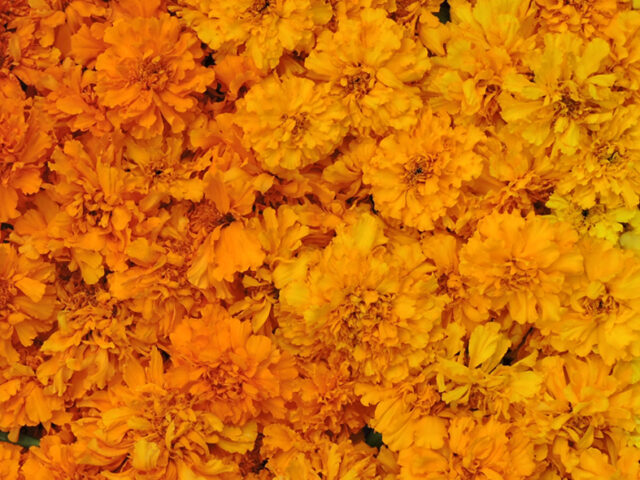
[{"x": 23, "y": 440}]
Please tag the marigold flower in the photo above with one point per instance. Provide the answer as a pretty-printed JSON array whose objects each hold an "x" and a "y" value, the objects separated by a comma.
[
  {"x": 418, "y": 176},
  {"x": 381, "y": 304},
  {"x": 27, "y": 300},
  {"x": 24, "y": 142},
  {"x": 602, "y": 311},
  {"x": 236, "y": 374},
  {"x": 149, "y": 73},
  {"x": 370, "y": 64},
  {"x": 290, "y": 131},
  {"x": 523, "y": 265},
  {"x": 569, "y": 96},
  {"x": 266, "y": 29}
]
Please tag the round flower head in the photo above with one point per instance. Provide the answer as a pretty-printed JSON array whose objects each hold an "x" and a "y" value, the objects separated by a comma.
[
  {"x": 264, "y": 29},
  {"x": 416, "y": 177},
  {"x": 290, "y": 122},
  {"x": 370, "y": 305},
  {"x": 370, "y": 64},
  {"x": 148, "y": 74},
  {"x": 525, "y": 265}
]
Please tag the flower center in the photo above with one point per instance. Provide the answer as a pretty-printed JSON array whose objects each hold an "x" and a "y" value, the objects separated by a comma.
[
  {"x": 359, "y": 84},
  {"x": 151, "y": 73},
  {"x": 419, "y": 169},
  {"x": 259, "y": 7}
]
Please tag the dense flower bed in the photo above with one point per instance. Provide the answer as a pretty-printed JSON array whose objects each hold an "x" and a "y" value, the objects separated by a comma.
[{"x": 320, "y": 239}]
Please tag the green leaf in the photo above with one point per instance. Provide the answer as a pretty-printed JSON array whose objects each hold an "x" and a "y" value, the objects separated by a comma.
[{"x": 23, "y": 440}]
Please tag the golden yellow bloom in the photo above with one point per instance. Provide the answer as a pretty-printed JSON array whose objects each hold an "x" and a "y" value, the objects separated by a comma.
[
  {"x": 290, "y": 130},
  {"x": 569, "y": 96},
  {"x": 488, "y": 40},
  {"x": 370, "y": 63},
  {"x": 606, "y": 171},
  {"x": 597, "y": 221},
  {"x": 603, "y": 313},
  {"x": 586, "y": 17},
  {"x": 523, "y": 265},
  {"x": 373, "y": 308},
  {"x": 148, "y": 74},
  {"x": 266, "y": 29},
  {"x": 418, "y": 176}
]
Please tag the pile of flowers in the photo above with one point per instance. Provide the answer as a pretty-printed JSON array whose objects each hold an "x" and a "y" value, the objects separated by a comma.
[{"x": 320, "y": 239}]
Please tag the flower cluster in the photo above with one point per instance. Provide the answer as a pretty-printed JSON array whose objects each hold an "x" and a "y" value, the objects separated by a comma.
[{"x": 320, "y": 239}]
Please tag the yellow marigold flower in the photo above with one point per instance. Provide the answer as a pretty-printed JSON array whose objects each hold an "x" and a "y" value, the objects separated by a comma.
[
  {"x": 484, "y": 383},
  {"x": 403, "y": 412},
  {"x": 582, "y": 400},
  {"x": 597, "y": 221},
  {"x": 290, "y": 131},
  {"x": 266, "y": 29},
  {"x": 607, "y": 171},
  {"x": 24, "y": 142},
  {"x": 374, "y": 308},
  {"x": 27, "y": 300},
  {"x": 417, "y": 176},
  {"x": 146, "y": 429},
  {"x": 467, "y": 77},
  {"x": 370, "y": 64},
  {"x": 603, "y": 312},
  {"x": 523, "y": 265},
  {"x": 569, "y": 96},
  {"x": 237, "y": 374},
  {"x": 474, "y": 450},
  {"x": 520, "y": 177},
  {"x": 149, "y": 72},
  {"x": 588, "y": 17}
]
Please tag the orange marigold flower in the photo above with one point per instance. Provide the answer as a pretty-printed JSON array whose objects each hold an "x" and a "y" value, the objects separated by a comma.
[
  {"x": 290, "y": 131},
  {"x": 370, "y": 64},
  {"x": 266, "y": 29},
  {"x": 146, "y": 429},
  {"x": 149, "y": 72},
  {"x": 370, "y": 307},
  {"x": 25, "y": 400},
  {"x": 54, "y": 459},
  {"x": 10, "y": 456},
  {"x": 474, "y": 450},
  {"x": 24, "y": 142},
  {"x": 523, "y": 265},
  {"x": 237, "y": 374},
  {"x": 418, "y": 176},
  {"x": 27, "y": 300}
]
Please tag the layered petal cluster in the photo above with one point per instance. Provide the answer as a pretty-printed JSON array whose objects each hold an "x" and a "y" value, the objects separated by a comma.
[{"x": 320, "y": 239}]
